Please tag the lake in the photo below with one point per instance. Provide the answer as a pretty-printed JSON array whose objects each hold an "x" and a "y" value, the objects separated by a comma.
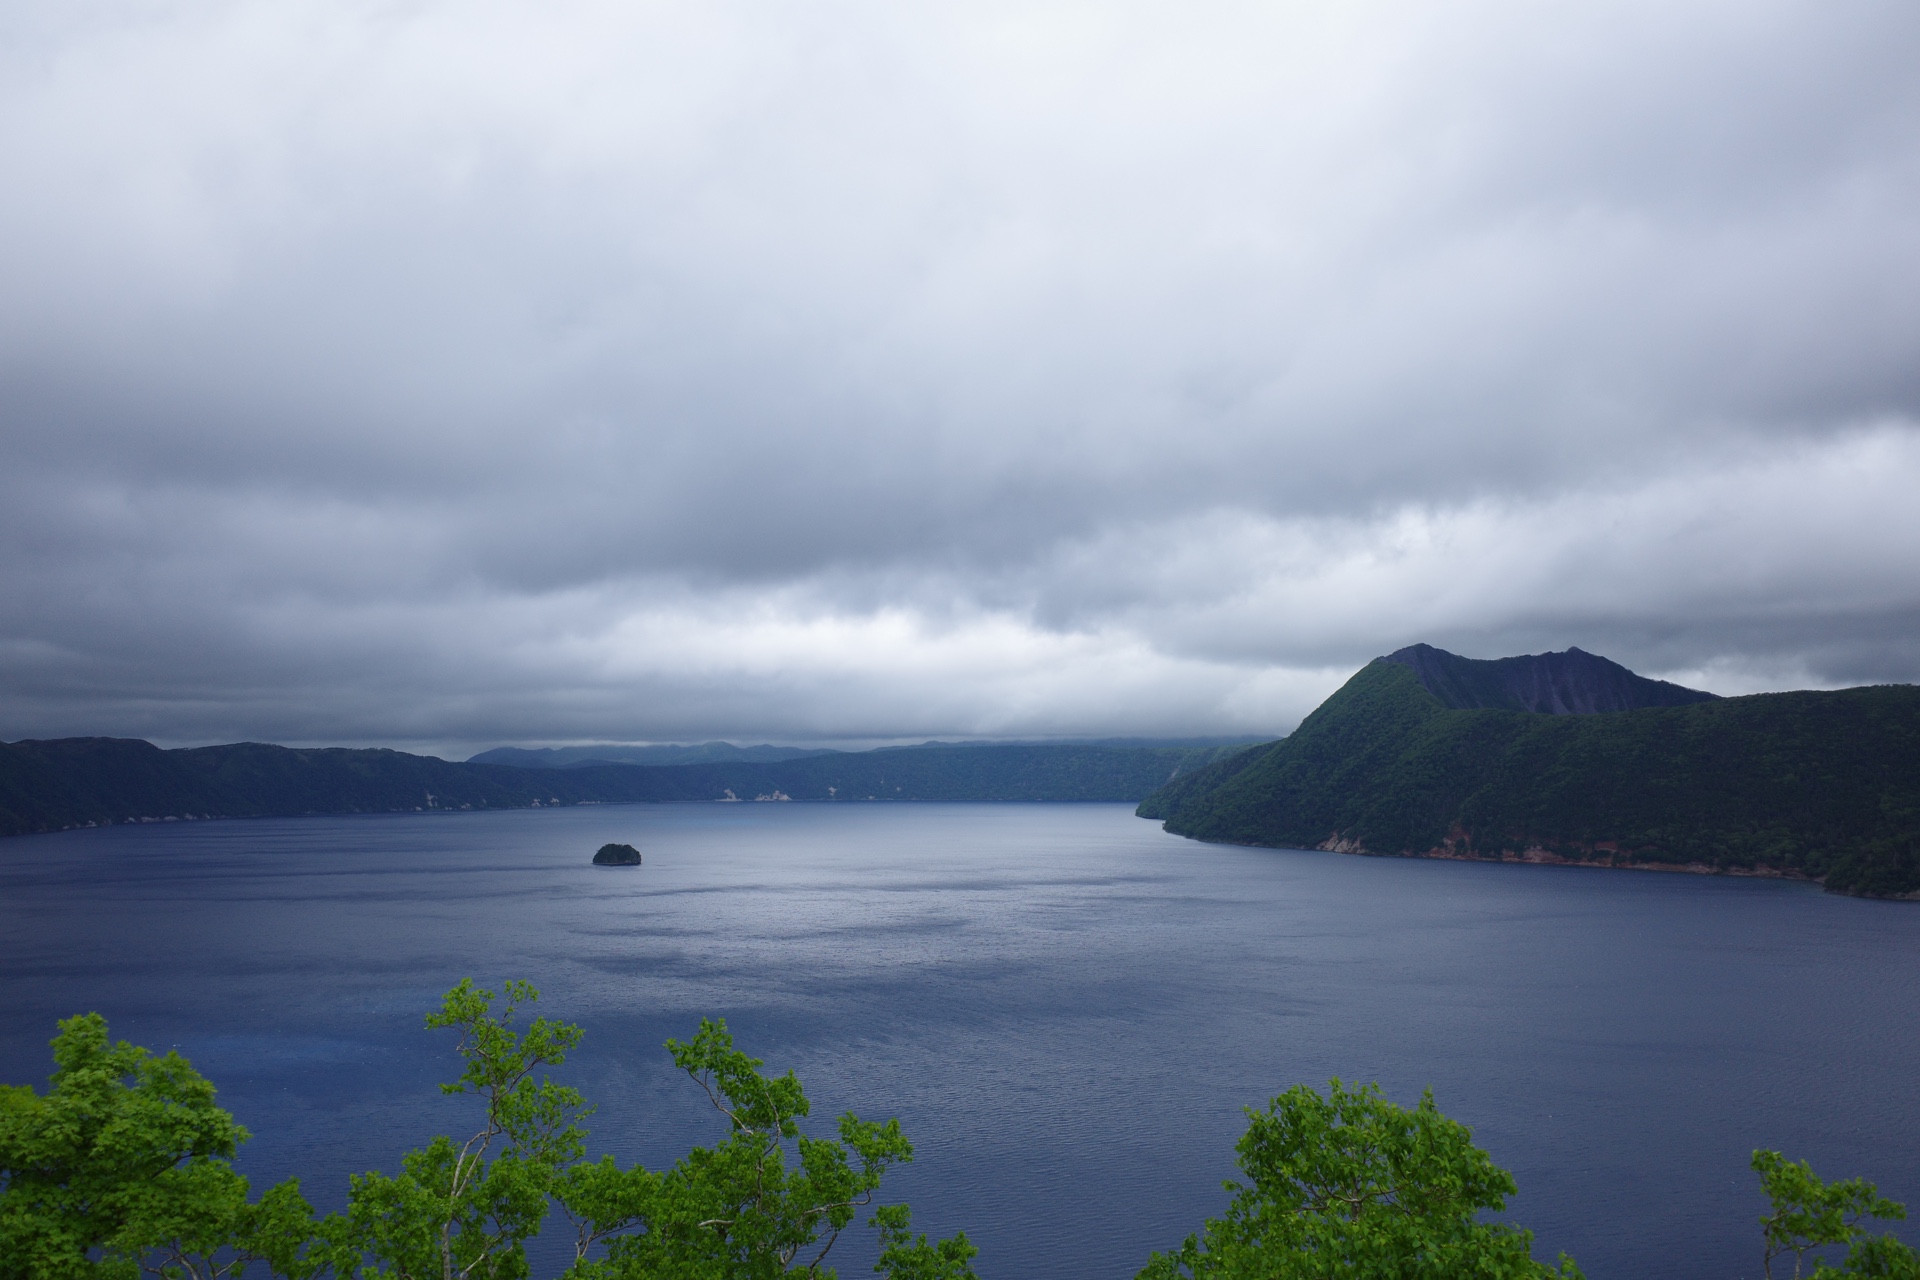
[{"x": 1066, "y": 1007}]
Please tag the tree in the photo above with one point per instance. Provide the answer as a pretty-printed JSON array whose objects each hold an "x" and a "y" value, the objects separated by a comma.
[
  {"x": 735, "y": 1211},
  {"x": 123, "y": 1166},
  {"x": 1809, "y": 1214},
  {"x": 1351, "y": 1185},
  {"x": 466, "y": 1211},
  {"x": 766, "y": 1201}
]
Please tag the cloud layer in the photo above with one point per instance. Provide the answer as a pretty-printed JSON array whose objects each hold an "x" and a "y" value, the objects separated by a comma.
[{"x": 466, "y": 373}]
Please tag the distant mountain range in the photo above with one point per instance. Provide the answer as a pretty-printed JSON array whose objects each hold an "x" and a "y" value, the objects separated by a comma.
[
  {"x": 73, "y": 782},
  {"x": 697, "y": 753},
  {"x": 767, "y": 753},
  {"x": 1567, "y": 757}
]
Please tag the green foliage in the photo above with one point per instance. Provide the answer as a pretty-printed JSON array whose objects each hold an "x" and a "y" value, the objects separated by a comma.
[
  {"x": 124, "y": 1161},
  {"x": 122, "y": 1168},
  {"x": 468, "y": 1210},
  {"x": 766, "y": 1201},
  {"x": 1809, "y": 1215},
  {"x": 1351, "y": 1185},
  {"x": 1824, "y": 784},
  {"x": 906, "y": 1256}
]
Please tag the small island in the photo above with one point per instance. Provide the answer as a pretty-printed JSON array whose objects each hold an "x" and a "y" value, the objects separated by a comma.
[{"x": 617, "y": 855}]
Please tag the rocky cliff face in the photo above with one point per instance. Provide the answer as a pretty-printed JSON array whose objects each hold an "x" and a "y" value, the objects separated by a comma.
[{"x": 1571, "y": 683}]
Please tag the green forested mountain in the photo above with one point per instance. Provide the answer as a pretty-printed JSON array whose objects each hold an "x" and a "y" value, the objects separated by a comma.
[
  {"x": 1824, "y": 785},
  {"x": 69, "y": 782},
  {"x": 767, "y": 753},
  {"x": 66, "y": 782}
]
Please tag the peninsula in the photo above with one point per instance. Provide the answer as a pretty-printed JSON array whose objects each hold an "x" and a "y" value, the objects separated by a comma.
[{"x": 1569, "y": 758}]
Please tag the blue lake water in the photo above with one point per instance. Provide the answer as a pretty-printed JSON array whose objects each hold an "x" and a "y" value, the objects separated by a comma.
[{"x": 1065, "y": 1006}]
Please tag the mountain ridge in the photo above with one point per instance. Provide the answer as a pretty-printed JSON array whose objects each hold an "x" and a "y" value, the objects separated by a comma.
[
  {"x": 1819, "y": 785},
  {"x": 718, "y": 752},
  {"x": 1570, "y": 682},
  {"x": 654, "y": 754},
  {"x": 58, "y": 784}
]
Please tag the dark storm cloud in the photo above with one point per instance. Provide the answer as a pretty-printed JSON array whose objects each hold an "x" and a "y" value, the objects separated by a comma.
[{"x": 453, "y": 374}]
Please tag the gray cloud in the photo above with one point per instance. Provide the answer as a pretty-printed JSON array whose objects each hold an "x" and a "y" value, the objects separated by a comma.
[{"x": 452, "y": 374}]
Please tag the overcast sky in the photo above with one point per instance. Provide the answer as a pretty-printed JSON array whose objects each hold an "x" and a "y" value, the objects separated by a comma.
[{"x": 453, "y": 373}]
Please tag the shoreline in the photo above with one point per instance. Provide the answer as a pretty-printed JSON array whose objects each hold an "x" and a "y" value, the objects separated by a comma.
[{"x": 1542, "y": 857}]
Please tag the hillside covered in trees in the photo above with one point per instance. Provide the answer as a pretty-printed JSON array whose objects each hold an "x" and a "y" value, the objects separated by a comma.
[
  {"x": 1824, "y": 785},
  {"x": 71, "y": 782}
]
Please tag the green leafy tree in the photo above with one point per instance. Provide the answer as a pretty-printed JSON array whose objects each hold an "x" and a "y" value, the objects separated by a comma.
[
  {"x": 465, "y": 1211},
  {"x": 1351, "y": 1186},
  {"x": 767, "y": 1201},
  {"x": 1809, "y": 1214},
  {"x": 122, "y": 1166}
]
